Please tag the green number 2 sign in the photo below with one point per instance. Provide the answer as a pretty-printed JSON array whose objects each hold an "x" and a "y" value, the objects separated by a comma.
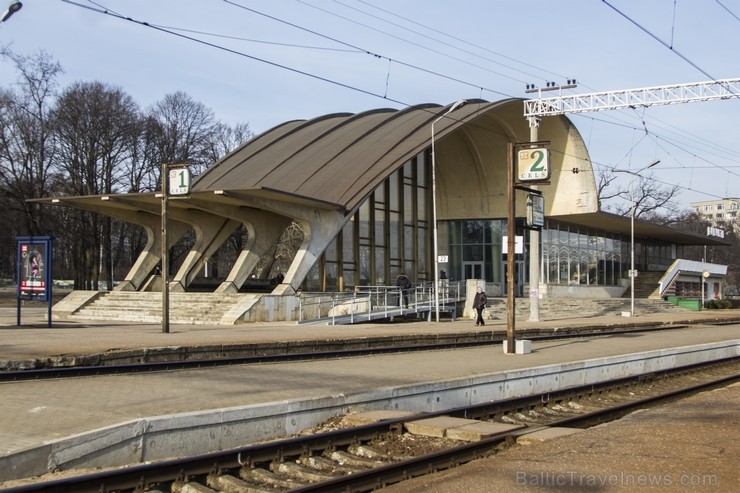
[{"x": 533, "y": 164}]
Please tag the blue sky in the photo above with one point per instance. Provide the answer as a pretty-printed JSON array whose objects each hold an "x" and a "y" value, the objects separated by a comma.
[{"x": 381, "y": 53}]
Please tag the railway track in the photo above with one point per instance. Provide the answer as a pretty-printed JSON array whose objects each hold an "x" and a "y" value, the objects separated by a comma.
[
  {"x": 364, "y": 458},
  {"x": 17, "y": 375}
]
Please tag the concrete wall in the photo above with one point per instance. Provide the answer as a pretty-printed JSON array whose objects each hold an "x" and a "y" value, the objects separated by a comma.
[
  {"x": 273, "y": 308},
  {"x": 578, "y": 291}
]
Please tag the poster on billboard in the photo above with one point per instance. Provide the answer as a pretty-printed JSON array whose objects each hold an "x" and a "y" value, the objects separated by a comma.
[
  {"x": 34, "y": 270},
  {"x": 34, "y": 267}
]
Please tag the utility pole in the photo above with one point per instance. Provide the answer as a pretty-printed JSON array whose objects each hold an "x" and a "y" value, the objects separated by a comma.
[
  {"x": 165, "y": 254},
  {"x": 534, "y": 234},
  {"x": 510, "y": 251}
]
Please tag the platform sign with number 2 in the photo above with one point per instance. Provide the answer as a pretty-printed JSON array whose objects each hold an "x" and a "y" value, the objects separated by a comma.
[{"x": 533, "y": 164}]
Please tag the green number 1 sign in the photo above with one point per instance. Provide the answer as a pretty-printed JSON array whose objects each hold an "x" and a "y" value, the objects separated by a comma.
[
  {"x": 179, "y": 181},
  {"x": 533, "y": 164}
]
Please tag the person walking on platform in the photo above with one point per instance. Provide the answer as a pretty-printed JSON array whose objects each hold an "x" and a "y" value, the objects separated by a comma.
[
  {"x": 479, "y": 303},
  {"x": 403, "y": 284}
]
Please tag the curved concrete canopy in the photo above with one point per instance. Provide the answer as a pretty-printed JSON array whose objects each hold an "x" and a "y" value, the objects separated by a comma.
[
  {"x": 335, "y": 161},
  {"x": 338, "y": 160}
]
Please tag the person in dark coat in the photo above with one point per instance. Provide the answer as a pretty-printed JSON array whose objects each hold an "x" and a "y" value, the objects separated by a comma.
[
  {"x": 403, "y": 284},
  {"x": 479, "y": 303}
]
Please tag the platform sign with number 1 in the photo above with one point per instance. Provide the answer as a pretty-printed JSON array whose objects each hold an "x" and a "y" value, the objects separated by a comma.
[
  {"x": 533, "y": 164},
  {"x": 180, "y": 181}
]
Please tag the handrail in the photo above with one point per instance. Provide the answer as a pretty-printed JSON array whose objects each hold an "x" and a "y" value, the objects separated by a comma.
[
  {"x": 384, "y": 301},
  {"x": 667, "y": 279}
]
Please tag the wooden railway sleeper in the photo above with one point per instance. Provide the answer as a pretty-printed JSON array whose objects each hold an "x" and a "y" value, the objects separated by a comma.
[
  {"x": 323, "y": 464},
  {"x": 366, "y": 451},
  {"x": 345, "y": 458},
  {"x": 299, "y": 472},
  {"x": 265, "y": 477},
  {"x": 186, "y": 486},
  {"x": 231, "y": 484}
]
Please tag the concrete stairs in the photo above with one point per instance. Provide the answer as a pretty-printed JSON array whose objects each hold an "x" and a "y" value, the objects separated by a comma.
[
  {"x": 646, "y": 286},
  {"x": 146, "y": 307},
  {"x": 229, "y": 309},
  {"x": 563, "y": 308}
]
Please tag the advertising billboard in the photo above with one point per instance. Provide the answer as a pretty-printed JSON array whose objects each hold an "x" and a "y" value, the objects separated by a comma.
[{"x": 34, "y": 268}]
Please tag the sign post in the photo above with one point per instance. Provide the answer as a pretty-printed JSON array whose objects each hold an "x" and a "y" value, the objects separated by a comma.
[
  {"x": 525, "y": 163},
  {"x": 34, "y": 272},
  {"x": 175, "y": 182}
]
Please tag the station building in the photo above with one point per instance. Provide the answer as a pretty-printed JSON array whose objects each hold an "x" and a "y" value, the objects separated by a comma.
[{"x": 361, "y": 187}]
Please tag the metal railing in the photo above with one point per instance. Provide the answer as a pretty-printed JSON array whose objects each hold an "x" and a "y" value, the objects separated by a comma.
[{"x": 376, "y": 302}]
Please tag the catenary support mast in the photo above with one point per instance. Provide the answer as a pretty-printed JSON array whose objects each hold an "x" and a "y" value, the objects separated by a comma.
[
  {"x": 535, "y": 109},
  {"x": 629, "y": 98}
]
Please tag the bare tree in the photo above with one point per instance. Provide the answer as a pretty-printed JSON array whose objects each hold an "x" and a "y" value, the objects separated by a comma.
[
  {"x": 652, "y": 200},
  {"x": 225, "y": 139},
  {"x": 27, "y": 138},
  {"x": 92, "y": 139},
  {"x": 605, "y": 187},
  {"x": 182, "y": 131},
  {"x": 96, "y": 126}
]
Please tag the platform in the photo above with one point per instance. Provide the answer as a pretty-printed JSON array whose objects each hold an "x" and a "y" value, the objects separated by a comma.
[{"x": 37, "y": 414}]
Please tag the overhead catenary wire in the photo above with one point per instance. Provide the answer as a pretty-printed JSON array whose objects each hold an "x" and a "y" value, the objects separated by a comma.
[
  {"x": 728, "y": 10},
  {"x": 659, "y": 40},
  {"x": 355, "y": 48},
  {"x": 466, "y": 42},
  {"x": 421, "y": 45},
  {"x": 642, "y": 118},
  {"x": 282, "y": 66},
  {"x": 367, "y": 51}
]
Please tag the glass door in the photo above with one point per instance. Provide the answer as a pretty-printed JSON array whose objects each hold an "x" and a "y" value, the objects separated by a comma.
[{"x": 473, "y": 270}]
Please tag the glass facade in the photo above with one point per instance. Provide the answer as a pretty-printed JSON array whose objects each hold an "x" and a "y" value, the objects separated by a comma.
[
  {"x": 585, "y": 256},
  {"x": 476, "y": 250},
  {"x": 577, "y": 255},
  {"x": 391, "y": 232}
]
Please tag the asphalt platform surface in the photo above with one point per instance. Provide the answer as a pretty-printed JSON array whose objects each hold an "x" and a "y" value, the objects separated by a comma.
[{"x": 32, "y": 413}]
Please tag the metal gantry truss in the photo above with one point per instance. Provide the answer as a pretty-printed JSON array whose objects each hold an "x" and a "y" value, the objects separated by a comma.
[{"x": 632, "y": 98}]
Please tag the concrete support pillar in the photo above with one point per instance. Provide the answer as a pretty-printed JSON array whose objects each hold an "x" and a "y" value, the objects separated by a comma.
[
  {"x": 320, "y": 227},
  {"x": 263, "y": 231},
  {"x": 151, "y": 255},
  {"x": 210, "y": 233}
]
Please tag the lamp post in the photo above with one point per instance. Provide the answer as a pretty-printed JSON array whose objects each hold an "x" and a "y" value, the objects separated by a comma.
[
  {"x": 12, "y": 9},
  {"x": 452, "y": 108},
  {"x": 632, "y": 231}
]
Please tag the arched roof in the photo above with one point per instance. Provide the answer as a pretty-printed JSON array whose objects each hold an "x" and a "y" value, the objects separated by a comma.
[{"x": 336, "y": 159}]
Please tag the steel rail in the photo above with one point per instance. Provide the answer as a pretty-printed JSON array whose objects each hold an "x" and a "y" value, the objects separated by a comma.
[
  {"x": 422, "y": 465},
  {"x": 138, "y": 476}
]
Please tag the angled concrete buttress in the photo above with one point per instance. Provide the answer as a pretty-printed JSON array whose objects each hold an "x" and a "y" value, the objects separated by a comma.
[
  {"x": 320, "y": 227},
  {"x": 210, "y": 233},
  {"x": 321, "y": 223},
  {"x": 263, "y": 231},
  {"x": 133, "y": 212}
]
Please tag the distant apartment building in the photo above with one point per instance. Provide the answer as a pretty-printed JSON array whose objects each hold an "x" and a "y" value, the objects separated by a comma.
[{"x": 727, "y": 209}]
